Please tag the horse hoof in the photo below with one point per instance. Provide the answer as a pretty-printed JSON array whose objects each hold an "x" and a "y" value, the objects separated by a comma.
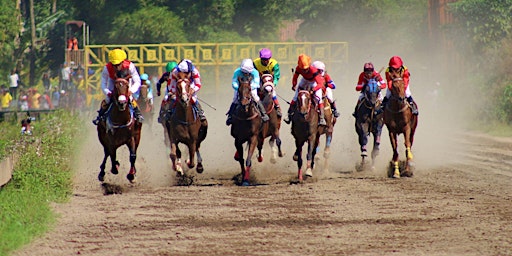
[
  {"x": 245, "y": 183},
  {"x": 130, "y": 177},
  {"x": 273, "y": 160},
  {"x": 295, "y": 157},
  {"x": 114, "y": 170},
  {"x": 309, "y": 173},
  {"x": 190, "y": 165},
  {"x": 364, "y": 153},
  {"x": 260, "y": 159},
  {"x": 101, "y": 176},
  {"x": 199, "y": 168},
  {"x": 237, "y": 156}
]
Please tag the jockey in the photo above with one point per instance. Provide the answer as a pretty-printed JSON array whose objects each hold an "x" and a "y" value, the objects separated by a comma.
[
  {"x": 328, "y": 86},
  {"x": 311, "y": 80},
  {"x": 166, "y": 77},
  {"x": 118, "y": 62},
  {"x": 247, "y": 69},
  {"x": 368, "y": 74},
  {"x": 396, "y": 63},
  {"x": 265, "y": 64},
  {"x": 185, "y": 66},
  {"x": 144, "y": 79}
]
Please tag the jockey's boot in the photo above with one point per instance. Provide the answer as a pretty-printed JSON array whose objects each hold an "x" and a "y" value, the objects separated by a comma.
[
  {"x": 200, "y": 111},
  {"x": 101, "y": 112},
  {"x": 278, "y": 108},
  {"x": 263, "y": 112},
  {"x": 414, "y": 109},
  {"x": 321, "y": 118},
  {"x": 333, "y": 108},
  {"x": 230, "y": 114},
  {"x": 382, "y": 106},
  {"x": 137, "y": 114},
  {"x": 291, "y": 110}
]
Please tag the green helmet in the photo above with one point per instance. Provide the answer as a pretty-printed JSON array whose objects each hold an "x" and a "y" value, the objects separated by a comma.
[{"x": 170, "y": 66}]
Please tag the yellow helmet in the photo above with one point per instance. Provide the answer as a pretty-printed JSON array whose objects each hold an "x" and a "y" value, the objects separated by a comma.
[{"x": 116, "y": 56}]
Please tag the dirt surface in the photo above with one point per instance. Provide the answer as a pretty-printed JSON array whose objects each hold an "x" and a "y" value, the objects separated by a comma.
[{"x": 458, "y": 202}]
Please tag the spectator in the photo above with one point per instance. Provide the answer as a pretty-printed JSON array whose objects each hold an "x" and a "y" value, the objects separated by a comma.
[
  {"x": 55, "y": 97},
  {"x": 14, "y": 81},
  {"x": 45, "y": 102},
  {"x": 5, "y": 98},
  {"x": 23, "y": 101},
  {"x": 34, "y": 98},
  {"x": 46, "y": 82},
  {"x": 66, "y": 77}
]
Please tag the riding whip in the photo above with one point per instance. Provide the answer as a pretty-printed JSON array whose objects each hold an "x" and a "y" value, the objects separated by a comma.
[{"x": 206, "y": 103}]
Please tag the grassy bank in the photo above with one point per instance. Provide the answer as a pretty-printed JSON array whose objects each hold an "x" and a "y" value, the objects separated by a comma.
[{"x": 42, "y": 175}]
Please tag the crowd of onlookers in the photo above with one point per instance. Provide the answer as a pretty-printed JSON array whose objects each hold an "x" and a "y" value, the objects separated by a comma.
[{"x": 60, "y": 92}]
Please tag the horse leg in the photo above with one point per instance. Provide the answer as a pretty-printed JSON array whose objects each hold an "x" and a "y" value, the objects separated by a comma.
[
  {"x": 298, "y": 157},
  {"x": 115, "y": 164},
  {"x": 312, "y": 145},
  {"x": 199, "y": 168},
  {"x": 261, "y": 140},
  {"x": 191, "y": 154},
  {"x": 248, "y": 161},
  {"x": 239, "y": 156},
  {"x": 376, "y": 147},
  {"x": 133, "y": 157},
  {"x": 273, "y": 149},
  {"x": 408, "y": 153},
  {"x": 176, "y": 163},
  {"x": 394, "y": 161},
  {"x": 327, "y": 149},
  {"x": 278, "y": 143},
  {"x": 101, "y": 175}
]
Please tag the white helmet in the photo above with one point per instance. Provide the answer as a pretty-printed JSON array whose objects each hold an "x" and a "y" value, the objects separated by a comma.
[
  {"x": 247, "y": 66},
  {"x": 185, "y": 66},
  {"x": 319, "y": 65}
]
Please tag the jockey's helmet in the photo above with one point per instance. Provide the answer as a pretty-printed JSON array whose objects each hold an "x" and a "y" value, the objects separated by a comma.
[
  {"x": 320, "y": 66},
  {"x": 144, "y": 76},
  {"x": 170, "y": 66},
  {"x": 304, "y": 61},
  {"x": 368, "y": 67},
  {"x": 395, "y": 62},
  {"x": 265, "y": 53},
  {"x": 247, "y": 66},
  {"x": 185, "y": 66},
  {"x": 116, "y": 56}
]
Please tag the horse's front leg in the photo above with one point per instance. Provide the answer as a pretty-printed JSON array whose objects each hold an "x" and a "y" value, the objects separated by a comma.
[
  {"x": 278, "y": 143},
  {"x": 175, "y": 159},
  {"x": 239, "y": 156},
  {"x": 101, "y": 175},
  {"x": 408, "y": 152},
  {"x": 261, "y": 140},
  {"x": 396, "y": 165},
  {"x": 133, "y": 157},
  {"x": 273, "y": 149},
  {"x": 312, "y": 146},
  {"x": 327, "y": 149},
  {"x": 248, "y": 161},
  {"x": 113, "y": 159},
  {"x": 191, "y": 155},
  {"x": 298, "y": 157}
]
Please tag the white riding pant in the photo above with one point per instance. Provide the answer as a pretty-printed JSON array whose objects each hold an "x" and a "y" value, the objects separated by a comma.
[{"x": 307, "y": 85}]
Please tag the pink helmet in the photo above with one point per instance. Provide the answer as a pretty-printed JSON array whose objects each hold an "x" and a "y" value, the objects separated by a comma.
[
  {"x": 265, "y": 53},
  {"x": 395, "y": 62}
]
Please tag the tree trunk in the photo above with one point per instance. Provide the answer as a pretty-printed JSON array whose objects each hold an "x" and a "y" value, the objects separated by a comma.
[{"x": 33, "y": 45}]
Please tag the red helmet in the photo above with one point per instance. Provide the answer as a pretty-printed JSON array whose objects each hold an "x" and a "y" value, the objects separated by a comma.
[
  {"x": 368, "y": 67},
  {"x": 395, "y": 62}
]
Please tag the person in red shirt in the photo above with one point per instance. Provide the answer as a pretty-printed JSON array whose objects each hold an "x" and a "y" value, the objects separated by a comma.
[
  {"x": 311, "y": 80},
  {"x": 329, "y": 85},
  {"x": 396, "y": 64},
  {"x": 367, "y": 75}
]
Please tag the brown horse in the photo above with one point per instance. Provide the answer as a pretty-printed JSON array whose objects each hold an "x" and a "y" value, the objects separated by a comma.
[
  {"x": 327, "y": 130},
  {"x": 270, "y": 128},
  {"x": 145, "y": 104},
  {"x": 305, "y": 129},
  {"x": 184, "y": 126},
  {"x": 245, "y": 127},
  {"x": 119, "y": 128},
  {"x": 399, "y": 119}
]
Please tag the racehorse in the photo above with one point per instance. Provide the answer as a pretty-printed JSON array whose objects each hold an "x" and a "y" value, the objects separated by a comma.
[
  {"x": 119, "y": 128},
  {"x": 270, "y": 128},
  {"x": 399, "y": 119},
  {"x": 245, "y": 127},
  {"x": 305, "y": 129},
  {"x": 330, "y": 119},
  {"x": 145, "y": 104},
  {"x": 184, "y": 126},
  {"x": 368, "y": 123}
]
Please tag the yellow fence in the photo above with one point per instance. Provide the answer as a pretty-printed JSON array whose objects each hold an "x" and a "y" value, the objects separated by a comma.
[{"x": 210, "y": 58}]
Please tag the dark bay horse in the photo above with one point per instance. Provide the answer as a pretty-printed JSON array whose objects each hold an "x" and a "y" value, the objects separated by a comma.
[
  {"x": 145, "y": 104},
  {"x": 184, "y": 126},
  {"x": 245, "y": 127},
  {"x": 399, "y": 119},
  {"x": 270, "y": 128},
  {"x": 119, "y": 128},
  {"x": 305, "y": 129},
  {"x": 367, "y": 123}
]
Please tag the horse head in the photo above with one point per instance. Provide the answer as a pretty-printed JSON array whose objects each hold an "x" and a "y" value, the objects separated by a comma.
[
  {"x": 304, "y": 102},
  {"x": 398, "y": 84},
  {"x": 371, "y": 92},
  {"x": 121, "y": 93},
  {"x": 143, "y": 92},
  {"x": 183, "y": 90},
  {"x": 244, "y": 91}
]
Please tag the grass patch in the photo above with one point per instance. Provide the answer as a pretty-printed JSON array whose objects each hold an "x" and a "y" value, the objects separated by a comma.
[{"x": 41, "y": 176}]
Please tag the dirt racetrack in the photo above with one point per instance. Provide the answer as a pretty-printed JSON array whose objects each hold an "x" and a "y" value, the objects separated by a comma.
[{"x": 458, "y": 202}]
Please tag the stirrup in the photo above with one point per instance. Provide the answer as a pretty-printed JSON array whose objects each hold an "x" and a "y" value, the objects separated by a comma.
[
  {"x": 229, "y": 121},
  {"x": 322, "y": 122},
  {"x": 287, "y": 120}
]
